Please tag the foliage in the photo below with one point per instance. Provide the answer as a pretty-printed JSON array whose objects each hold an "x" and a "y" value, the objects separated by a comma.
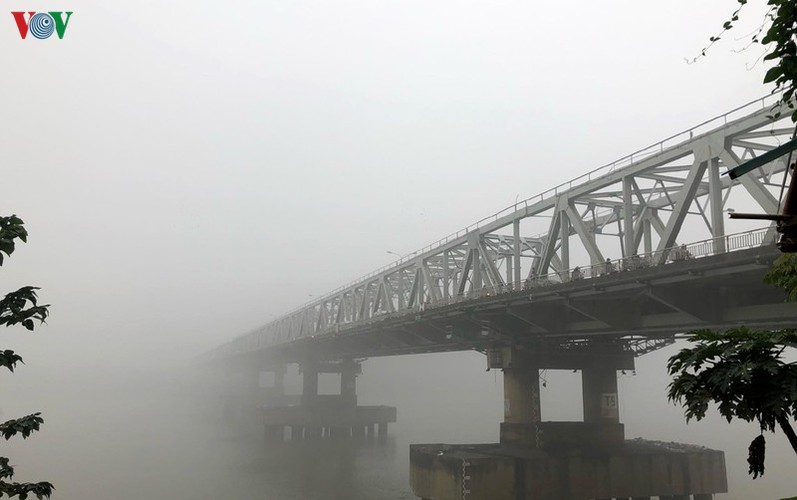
[
  {"x": 14, "y": 308},
  {"x": 19, "y": 307},
  {"x": 21, "y": 490},
  {"x": 742, "y": 372},
  {"x": 778, "y": 33},
  {"x": 11, "y": 228},
  {"x": 24, "y": 425},
  {"x": 781, "y": 37},
  {"x": 9, "y": 359},
  {"x": 784, "y": 274}
]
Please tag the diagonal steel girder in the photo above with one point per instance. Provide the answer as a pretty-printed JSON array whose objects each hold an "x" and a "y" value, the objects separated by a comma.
[{"x": 649, "y": 195}]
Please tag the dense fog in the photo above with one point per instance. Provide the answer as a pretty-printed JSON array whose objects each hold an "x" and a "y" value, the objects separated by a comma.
[
  {"x": 145, "y": 433},
  {"x": 191, "y": 170}
]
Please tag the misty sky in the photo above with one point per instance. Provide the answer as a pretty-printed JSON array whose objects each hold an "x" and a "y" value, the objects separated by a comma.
[{"x": 190, "y": 170}]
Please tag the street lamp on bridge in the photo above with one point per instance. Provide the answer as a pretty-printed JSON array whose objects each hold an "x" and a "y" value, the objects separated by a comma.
[{"x": 397, "y": 254}]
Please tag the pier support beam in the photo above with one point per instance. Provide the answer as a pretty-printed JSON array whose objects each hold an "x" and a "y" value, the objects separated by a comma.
[
  {"x": 265, "y": 394},
  {"x": 521, "y": 398},
  {"x": 279, "y": 381},
  {"x": 599, "y": 388},
  {"x": 556, "y": 460},
  {"x": 348, "y": 382},
  {"x": 330, "y": 416},
  {"x": 309, "y": 383}
]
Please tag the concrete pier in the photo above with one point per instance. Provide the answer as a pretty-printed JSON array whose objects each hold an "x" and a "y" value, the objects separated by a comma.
[
  {"x": 521, "y": 402},
  {"x": 248, "y": 388},
  {"x": 636, "y": 469},
  {"x": 332, "y": 416},
  {"x": 589, "y": 460},
  {"x": 328, "y": 423}
]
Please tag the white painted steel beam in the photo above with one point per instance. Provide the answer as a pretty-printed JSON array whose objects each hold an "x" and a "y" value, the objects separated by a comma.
[{"x": 646, "y": 200}]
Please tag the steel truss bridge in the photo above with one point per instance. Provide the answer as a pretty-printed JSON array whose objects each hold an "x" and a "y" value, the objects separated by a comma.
[{"x": 639, "y": 249}]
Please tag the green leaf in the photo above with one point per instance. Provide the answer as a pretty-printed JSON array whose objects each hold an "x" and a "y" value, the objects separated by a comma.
[
  {"x": 15, "y": 308},
  {"x": 773, "y": 74},
  {"x": 24, "y": 425},
  {"x": 6, "y": 470},
  {"x": 7, "y": 246},
  {"x": 9, "y": 359}
]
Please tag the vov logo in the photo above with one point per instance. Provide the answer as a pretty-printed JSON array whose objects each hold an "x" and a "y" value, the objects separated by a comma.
[{"x": 42, "y": 24}]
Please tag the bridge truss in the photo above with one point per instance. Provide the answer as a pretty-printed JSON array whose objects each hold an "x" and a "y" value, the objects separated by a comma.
[{"x": 636, "y": 212}]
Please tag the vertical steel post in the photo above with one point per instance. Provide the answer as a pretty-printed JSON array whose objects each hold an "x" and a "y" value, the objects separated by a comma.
[
  {"x": 715, "y": 200},
  {"x": 564, "y": 237},
  {"x": 628, "y": 217},
  {"x": 446, "y": 276},
  {"x": 516, "y": 248}
]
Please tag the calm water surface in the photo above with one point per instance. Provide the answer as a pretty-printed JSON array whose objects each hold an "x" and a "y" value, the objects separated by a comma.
[{"x": 151, "y": 442}]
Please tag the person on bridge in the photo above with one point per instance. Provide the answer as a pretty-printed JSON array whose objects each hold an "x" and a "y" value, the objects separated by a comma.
[
  {"x": 608, "y": 267},
  {"x": 577, "y": 274}
]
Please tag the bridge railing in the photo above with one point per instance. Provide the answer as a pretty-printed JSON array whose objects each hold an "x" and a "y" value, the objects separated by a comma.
[{"x": 696, "y": 250}]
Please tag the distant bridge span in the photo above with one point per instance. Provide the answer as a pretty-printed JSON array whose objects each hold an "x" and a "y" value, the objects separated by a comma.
[{"x": 603, "y": 255}]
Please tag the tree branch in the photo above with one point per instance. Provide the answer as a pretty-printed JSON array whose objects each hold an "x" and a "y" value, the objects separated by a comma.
[
  {"x": 787, "y": 429},
  {"x": 23, "y": 425}
]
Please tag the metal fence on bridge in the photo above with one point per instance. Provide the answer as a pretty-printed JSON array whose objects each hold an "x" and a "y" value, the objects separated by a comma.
[{"x": 696, "y": 250}]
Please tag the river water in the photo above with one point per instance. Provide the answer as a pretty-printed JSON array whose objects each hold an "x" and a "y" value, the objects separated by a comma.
[
  {"x": 132, "y": 435},
  {"x": 128, "y": 435}
]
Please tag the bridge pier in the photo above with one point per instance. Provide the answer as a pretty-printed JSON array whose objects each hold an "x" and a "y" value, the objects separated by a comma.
[
  {"x": 599, "y": 392},
  {"x": 334, "y": 416},
  {"x": 537, "y": 460},
  {"x": 309, "y": 383},
  {"x": 246, "y": 391},
  {"x": 273, "y": 393},
  {"x": 521, "y": 423}
]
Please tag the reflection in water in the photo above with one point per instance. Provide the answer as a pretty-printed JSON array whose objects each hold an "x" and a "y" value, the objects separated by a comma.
[
  {"x": 133, "y": 438},
  {"x": 308, "y": 470},
  {"x": 329, "y": 470}
]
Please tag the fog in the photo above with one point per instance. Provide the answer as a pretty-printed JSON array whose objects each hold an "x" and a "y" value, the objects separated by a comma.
[
  {"x": 129, "y": 434},
  {"x": 190, "y": 170}
]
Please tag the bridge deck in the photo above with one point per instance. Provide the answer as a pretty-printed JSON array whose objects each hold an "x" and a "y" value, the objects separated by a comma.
[{"x": 721, "y": 291}]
